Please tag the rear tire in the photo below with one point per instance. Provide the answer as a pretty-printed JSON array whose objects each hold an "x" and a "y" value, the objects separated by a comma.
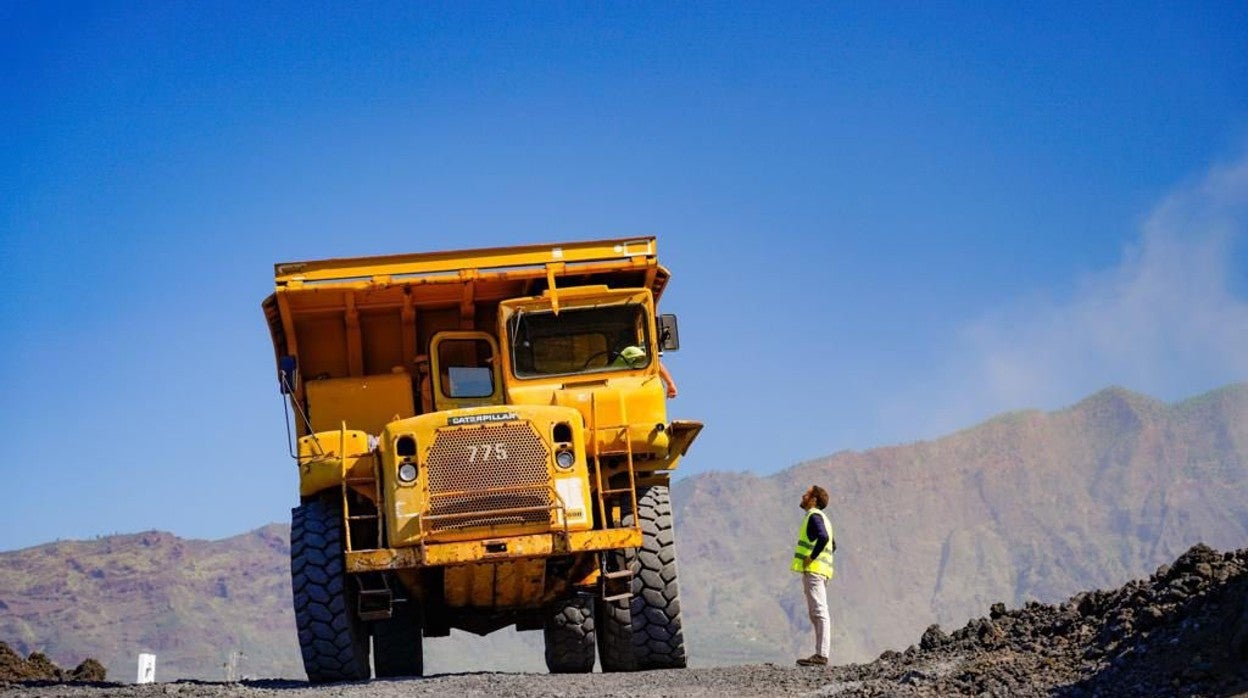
[
  {"x": 658, "y": 639},
  {"x": 569, "y": 635},
  {"x": 397, "y": 643},
  {"x": 332, "y": 639},
  {"x": 614, "y": 629}
]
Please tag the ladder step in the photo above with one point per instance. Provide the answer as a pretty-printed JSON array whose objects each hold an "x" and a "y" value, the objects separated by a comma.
[
  {"x": 360, "y": 480},
  {"x": 620, "y": 574},
  {"x": 362, "y": 517},
  {"x": 375, "y": 604},
  {"x": 618, "y": 490},
  {"x": 617, "y": 597}
]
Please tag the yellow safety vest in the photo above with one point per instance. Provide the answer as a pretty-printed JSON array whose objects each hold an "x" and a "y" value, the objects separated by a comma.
[{"x": 821, "y": 565}]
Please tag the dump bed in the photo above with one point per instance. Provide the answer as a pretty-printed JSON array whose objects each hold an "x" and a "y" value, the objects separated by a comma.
[{"x": 369, "y": 316}]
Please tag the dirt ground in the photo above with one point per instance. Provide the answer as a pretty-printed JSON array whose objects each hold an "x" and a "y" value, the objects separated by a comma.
[{"x": 1181, "y": 632}]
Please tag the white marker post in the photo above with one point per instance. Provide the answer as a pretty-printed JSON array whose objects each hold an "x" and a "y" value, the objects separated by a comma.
[{"x": 147, "y": 668}]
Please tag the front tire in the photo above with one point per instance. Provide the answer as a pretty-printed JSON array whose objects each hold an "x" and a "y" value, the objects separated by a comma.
[
  {"x": 332, "y": 639},
  {"x": 658, "y": 638}
]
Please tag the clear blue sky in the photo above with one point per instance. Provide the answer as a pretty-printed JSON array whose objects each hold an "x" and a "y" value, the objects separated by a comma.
[{"x": 885, "y": 223}]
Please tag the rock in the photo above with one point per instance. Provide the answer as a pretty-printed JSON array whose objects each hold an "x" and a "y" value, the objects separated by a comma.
[
  {"x": 933, "y": 638},
  {"x": 989, "y": 634},
  {"x": 1088, "y": 605},
  {"x": 40, "y": 667},
  {"x": 1239, "y": 639},
  {"x": 89, "y": 670}
]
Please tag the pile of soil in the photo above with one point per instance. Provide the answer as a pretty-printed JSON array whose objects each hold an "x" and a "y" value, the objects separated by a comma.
[
  {"x": 1183, "y": 631},
  {"x": 37, "y": 667}
]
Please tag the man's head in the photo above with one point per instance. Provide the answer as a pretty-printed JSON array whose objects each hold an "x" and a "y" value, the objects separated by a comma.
[{"x": 816, "y": 497}]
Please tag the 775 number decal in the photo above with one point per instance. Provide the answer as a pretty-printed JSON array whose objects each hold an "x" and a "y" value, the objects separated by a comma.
[{"x": 483, "y": 452}]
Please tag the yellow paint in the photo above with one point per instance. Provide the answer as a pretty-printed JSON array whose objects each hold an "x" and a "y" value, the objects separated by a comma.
[
  {"x": 631, "y": 251},
  {"x": 366, "y": 333},
  {"x": 366, "y": 403},
  {"x": 326, "y": 459},
  {"x": 501, "y": 585},
  {"x": 408, "y": 501},
  {"x": 466, "y": 552}
]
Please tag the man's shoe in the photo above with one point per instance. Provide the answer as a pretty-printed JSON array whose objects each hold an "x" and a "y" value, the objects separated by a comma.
[{"x": 813, "y": 660}]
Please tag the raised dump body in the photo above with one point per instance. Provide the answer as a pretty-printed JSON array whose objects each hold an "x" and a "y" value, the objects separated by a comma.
[{"x": 482, "y": 441}]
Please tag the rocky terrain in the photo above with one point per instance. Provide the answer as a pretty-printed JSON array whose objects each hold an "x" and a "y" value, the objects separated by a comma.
[
  {"x": 38, "y": 668},
  {"x": 1182, "y": 631},
  {"x": 1026, "y": 507}
]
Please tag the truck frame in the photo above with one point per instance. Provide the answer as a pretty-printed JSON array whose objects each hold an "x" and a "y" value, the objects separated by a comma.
[{"x": 482, "y": 441}]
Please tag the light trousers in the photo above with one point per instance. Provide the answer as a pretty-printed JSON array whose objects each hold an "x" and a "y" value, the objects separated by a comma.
[{"x": 816, "y": 587}]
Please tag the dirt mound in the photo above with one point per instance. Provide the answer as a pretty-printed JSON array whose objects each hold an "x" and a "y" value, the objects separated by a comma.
[
  {"x": 37, "y": 667},
  {"x": 1182, "y": 631}
]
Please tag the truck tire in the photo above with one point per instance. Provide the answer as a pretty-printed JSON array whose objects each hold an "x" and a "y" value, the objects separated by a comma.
[
  {"x": 614, "y": 629},
  {"x": 333, "y": 640},
  {"x": 397, "y": 643},
  {"x": 658, "y": 641},
  {"x": 569, "y": 635}
]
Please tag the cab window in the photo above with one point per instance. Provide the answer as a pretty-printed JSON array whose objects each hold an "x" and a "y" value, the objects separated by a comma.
[{"x": 579, "y": 340}]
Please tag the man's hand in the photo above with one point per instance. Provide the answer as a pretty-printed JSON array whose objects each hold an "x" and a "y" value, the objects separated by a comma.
[{"x": 806, "y": 562}]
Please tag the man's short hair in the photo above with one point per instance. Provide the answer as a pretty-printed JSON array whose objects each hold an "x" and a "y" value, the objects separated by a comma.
[{"x": 821, "y": 496}]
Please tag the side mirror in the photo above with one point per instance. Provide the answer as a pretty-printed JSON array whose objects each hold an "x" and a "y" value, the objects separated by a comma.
[{"x": 669, "y": 336}]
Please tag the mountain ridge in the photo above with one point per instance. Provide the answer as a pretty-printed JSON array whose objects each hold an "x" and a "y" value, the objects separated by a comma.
[{"x": 1027, "y": 505}]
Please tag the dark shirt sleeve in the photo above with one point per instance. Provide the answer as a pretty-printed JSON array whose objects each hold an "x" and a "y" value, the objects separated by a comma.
[{"x": 817, "y": 533}]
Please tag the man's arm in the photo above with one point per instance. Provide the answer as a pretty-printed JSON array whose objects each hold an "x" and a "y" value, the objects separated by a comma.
[
  {"x": 818, "y": 533},
  {"x": 667, "y": 380}
]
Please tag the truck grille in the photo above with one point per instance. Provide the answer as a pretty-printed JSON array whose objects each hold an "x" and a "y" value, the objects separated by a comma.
[{"x": 475, "y": 473}]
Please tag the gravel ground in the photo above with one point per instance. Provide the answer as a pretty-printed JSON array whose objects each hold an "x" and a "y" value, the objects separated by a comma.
[
  {"x": 765, "y": 680},
  {"x": 1181, "y": 632}
]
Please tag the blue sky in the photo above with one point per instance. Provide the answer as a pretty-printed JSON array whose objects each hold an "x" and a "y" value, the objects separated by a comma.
[{"x": 885, "y": 223}]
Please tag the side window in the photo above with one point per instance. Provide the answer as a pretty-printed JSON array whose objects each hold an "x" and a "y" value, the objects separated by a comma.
[{"x": 466, "y": 367}]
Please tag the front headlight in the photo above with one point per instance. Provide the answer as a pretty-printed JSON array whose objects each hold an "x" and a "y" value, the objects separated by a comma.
[
  {"x": 407, "y": 473},
  {"x": 565, "y": 460}
]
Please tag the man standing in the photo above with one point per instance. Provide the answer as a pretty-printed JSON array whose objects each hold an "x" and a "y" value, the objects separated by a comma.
[{"x": 813, "y": 558}]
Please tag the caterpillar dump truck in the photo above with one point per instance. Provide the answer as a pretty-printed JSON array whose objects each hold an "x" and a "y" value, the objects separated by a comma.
[{"x": 482, "y": 441}]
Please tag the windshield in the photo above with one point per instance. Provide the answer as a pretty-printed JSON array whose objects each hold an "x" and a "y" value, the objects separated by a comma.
[{"x": 579, "y": 340}]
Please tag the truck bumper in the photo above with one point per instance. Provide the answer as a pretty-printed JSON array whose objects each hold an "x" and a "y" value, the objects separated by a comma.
[{"x": 491, "y": 550}]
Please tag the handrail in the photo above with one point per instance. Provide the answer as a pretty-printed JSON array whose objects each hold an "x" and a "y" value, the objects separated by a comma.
[{"x": 346, "y": 500}]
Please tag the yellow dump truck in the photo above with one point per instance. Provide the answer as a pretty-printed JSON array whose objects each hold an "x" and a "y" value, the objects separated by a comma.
[{"x": 482, "y": 441}]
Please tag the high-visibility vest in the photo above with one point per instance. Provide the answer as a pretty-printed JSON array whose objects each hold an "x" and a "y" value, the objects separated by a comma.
[{"x": 821, "y": 565}]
